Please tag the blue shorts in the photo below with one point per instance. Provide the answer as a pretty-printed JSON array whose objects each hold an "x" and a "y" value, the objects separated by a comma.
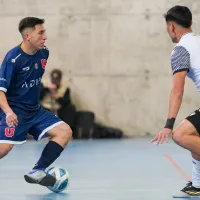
[{"x": 37, "y": 125}]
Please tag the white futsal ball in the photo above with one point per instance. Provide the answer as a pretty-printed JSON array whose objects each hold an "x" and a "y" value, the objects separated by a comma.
[{"x": 62, "y": 179}]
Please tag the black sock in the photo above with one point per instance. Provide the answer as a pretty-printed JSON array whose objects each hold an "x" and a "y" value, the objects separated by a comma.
[{"x": 50, "y": 153}]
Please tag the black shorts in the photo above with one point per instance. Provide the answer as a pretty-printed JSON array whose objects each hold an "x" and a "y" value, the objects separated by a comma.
[{"x": 194, "y": 118}]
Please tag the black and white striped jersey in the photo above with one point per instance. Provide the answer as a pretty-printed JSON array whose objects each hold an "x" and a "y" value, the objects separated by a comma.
[{"x": 186, "y": 57}]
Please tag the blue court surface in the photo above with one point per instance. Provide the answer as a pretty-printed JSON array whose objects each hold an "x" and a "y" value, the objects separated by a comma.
[{"x": 124, "y": 169}]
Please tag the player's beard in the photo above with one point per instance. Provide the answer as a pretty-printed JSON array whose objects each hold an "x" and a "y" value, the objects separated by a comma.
[{"x": 174, "y": 39}]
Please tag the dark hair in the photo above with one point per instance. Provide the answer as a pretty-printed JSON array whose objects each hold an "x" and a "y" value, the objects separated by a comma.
[
  {"x": 29, "y": 22},
  {"x": 179, "y": 14}
]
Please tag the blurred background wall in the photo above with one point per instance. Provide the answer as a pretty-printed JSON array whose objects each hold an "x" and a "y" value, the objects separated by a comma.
[{"x": 115, "y": 55}]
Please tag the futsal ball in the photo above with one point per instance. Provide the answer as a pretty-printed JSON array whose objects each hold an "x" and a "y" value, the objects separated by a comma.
[{"x": 62, "y": 179}]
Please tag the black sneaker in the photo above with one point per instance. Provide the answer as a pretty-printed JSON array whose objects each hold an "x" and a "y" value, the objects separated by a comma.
[{"x": 188, "y": 191}]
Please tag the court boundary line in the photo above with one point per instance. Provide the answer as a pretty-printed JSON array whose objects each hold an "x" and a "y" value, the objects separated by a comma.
[{"x": 177, "y": 167}]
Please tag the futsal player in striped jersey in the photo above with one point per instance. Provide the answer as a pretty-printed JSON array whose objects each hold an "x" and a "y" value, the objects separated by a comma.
[{"x": 185, "y": 62}]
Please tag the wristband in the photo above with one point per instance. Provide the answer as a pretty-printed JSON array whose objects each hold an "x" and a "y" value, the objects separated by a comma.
[{"x": 170, "y": 123}]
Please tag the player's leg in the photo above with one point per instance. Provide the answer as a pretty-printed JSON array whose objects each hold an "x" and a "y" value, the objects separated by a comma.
[
  {"x": 9, "y": 136},
  {"x": 186, "y": 135},
  {"x": 5, "y": 149},
  {"x": 60, "y": 133},
  {"x": 59, "y": 137}
]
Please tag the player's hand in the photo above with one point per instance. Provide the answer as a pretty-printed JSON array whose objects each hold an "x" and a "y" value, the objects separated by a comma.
[
  {"x": 162, "y": 135},
  {"x": 11, "y": 119},
  {"x": 52, "y": 86},
  {"x": 55, "y": 96}
]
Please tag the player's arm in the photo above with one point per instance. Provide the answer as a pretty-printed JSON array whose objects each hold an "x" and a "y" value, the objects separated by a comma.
[
  {"x": 6, "y": 74},
  {"x": 176, "y": 94},
  {"x": 180, "y": 61},
  {"x": 4, "y": 103},
  {"x": 11, "y": 118}
]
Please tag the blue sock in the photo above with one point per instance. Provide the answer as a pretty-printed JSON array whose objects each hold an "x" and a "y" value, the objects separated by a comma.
[{"x": 50, "y": 153}]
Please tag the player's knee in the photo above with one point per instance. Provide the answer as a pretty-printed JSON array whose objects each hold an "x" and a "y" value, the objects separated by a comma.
[
  {"x": 66, "y": 133},
  {"x": 178, "y": 137},
  {"x": 4, "y": 149}
]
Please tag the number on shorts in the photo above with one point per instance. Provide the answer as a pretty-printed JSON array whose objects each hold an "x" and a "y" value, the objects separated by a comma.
[{"x": 9, "y": 132}]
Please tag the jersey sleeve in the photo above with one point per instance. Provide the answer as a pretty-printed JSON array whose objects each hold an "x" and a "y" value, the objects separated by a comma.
[
  {"x": 45, "y": 52},
  {"x": 180, "y": 59},
  {"x": 6, "y": 74}
]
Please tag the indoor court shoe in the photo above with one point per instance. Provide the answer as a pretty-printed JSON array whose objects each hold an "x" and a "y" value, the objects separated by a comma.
[
  {"x": 188, "y": 191},
  {"x": 39, "y": 176}
]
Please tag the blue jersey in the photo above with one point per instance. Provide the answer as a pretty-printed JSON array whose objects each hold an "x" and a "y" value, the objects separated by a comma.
[{"x": 20, "y": 77}]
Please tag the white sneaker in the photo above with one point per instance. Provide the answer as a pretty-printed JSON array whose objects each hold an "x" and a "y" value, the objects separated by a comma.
[{"x": 39, "y": 176}]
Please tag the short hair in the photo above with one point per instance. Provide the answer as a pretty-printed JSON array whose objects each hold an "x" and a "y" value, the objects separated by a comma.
[
  {"x": 179, "y": 14},
  {"x": 29, "y": 22}
]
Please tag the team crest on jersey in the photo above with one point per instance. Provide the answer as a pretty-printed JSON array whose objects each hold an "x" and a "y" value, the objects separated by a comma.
[
  {"x": 43, "y": 62},
  {"x": 9, "y": 132},
  {"x": 36, "y": 66}
]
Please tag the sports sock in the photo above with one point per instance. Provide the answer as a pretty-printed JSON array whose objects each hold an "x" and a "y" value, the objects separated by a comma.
[
  {"x": 50, "y": 153},
  {"x": 196, "y": 173}
]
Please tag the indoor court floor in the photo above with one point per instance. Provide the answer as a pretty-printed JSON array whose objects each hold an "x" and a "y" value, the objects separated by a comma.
[{"x": 124, "y": 169}]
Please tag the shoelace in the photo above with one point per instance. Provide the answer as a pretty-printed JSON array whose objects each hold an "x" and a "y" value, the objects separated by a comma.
[{"x": 188, "y": 185}]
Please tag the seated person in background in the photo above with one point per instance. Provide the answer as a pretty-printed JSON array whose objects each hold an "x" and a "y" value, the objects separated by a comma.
[{"x": 55, "y": 97}]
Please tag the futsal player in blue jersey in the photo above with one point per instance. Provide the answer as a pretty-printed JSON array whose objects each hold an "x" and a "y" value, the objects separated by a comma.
[{"x": 20, "y": 113}]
